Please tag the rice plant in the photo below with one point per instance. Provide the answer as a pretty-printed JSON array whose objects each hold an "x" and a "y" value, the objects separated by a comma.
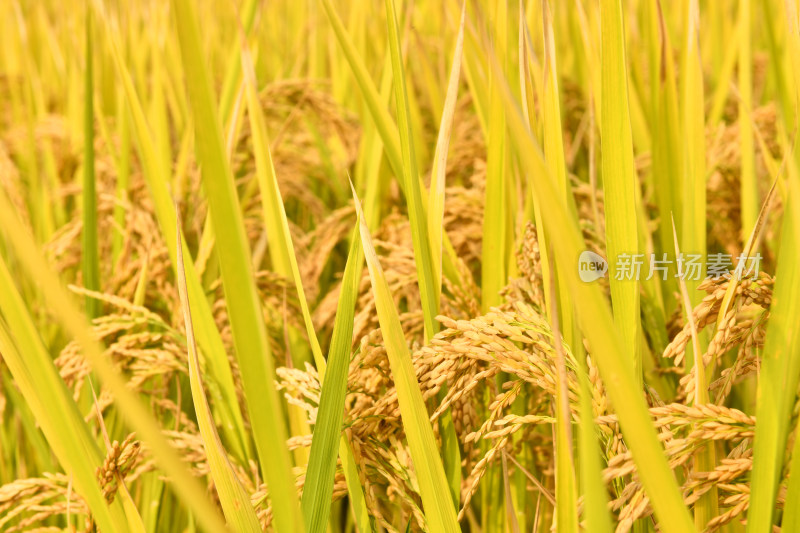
[{"x": 490, "y": 266}]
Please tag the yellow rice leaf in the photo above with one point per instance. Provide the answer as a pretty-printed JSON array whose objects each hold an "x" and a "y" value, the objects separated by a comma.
[
  {"x": 75, "y": 325},
  {"x": 440, "y": 514},
  {"x": 235, "y": 501},
  {"x": 605, "y": 341}
]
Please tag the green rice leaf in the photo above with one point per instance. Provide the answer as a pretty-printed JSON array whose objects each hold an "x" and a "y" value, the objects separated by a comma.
[
  {"x": 749, "y": 194},
  {"x": 566, "y": 491},
  {"x": 605, "y": 341},
  {"x": 285, "y": 262},
  {"x": 233, "y": 75},
  {"x": 780, "y": 366},
  {"x": 75, "y": 325},
  {"x": 566, "y": 517},
  {"x": 410, "y": 177},
  {"x": 89, "y": 246},
  {"x": 667, "y": 154},
  {"x": 221, "y": 389},
  {"x": 440, "y": 514},
  {"x": 379, "y": 113},
  {"x": 318, "y": 487},
  {"x": 41, "y": 386},
  {"x": 693, "y": 201},
  {"x": 705, "y": 456},
  {"x": 779, "y": 376},
  {"x": 436, "y": 192},
  {"x": 385, "y": 126},
  {"x": 235, "y": 501},
  {"x": 279, "y": 236},
  {"x": 619, "y": 179},
  {"x": 495, "y": 235},
  {"x": 427, "y": 278},
  {"x": 233, "y": 252}
]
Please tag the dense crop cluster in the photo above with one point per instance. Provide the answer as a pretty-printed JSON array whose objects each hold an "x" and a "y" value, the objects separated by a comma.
[{"x": 399, "y": 266}]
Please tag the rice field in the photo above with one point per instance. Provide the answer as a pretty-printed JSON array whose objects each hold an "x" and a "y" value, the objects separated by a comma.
[{"x": 323, "y": 266}]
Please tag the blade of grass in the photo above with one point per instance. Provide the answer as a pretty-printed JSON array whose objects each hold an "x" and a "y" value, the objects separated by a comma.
[
  {"x": 368, "y": 175},
  {"x": 566, "y": 493},
  {"x": 427, "y": 280},
  {"x": 667, "y": 155},
  {"x": 378, "y": 111},
  {"x": 604, "y": 340},
  {"x": 279, "y": 249},
  {"x": 591, "y": 54},
  {"x": 39, "y": 382},
  {"x": 494, "y": 243},
  {"x": 511, "y": 514},
  {"x": 318, "y": 487},
  {"x": 693, "y": 234},
  {"x": 410, "y": 177},
  {"x": 285, "y": 262},
  {"x": 474, "y": 71},
  {"x": 249, "y": 332},
  {"x": 235, "y": 502},
  {"x": 247, "y": 17},
  {"x": 595, "y": 493},
  {"x": 385, "y": 125},
  {"x": 780, "y": 370},
  {"x": 222, "y": 390},
  {"x": 707, "y": 507},
  {"x": 436, "y": 197},
  {"x": 791, "y": 517},
  {"x": 553, "y": 141},
  {"x": 440, "y": 514},
  {"x": 566, "y": 498},
  {"x": 780, "y": 366},
  {"x": 44, "y": 459},
  {"x": 553, "y": 137},
  {"x": 75, "y": 325},
  {"x": 280, "y": 239},
  {"x": 693, "y": 231},
  {"x": 527, "y": 84},
  {"x": 89, "y": 247},
  {"x": 619, "y": 179},
  {"x": 749, "y": 186},
  {"x": 436, "y": 194}
]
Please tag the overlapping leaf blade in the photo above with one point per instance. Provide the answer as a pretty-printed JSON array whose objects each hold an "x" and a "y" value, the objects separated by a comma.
[
  {"x": 439, "y": 511},
  {"x": 244, "y": 308},
  {"x": 234, "y": 499}
]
